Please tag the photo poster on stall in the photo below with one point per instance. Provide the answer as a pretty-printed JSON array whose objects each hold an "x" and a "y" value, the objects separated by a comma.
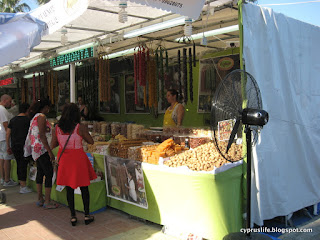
[
  {"x": 211, "y": 72},
  {"x": 125, "y": 181}
]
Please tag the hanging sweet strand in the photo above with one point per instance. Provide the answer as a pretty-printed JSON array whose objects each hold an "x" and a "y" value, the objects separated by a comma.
[
  {"x": 99, "y": 69},
  {"x": 49, "y": 85},
  {"x": 152, "y": 82},
  {"x": 190, "y": 76},
  {"x": 179, "y": 72},
  {"x": 39, "y": 86},
  {"x": 56, "y": 88},
  {"x": 108, "y": 80},
  {"x": 167, "y": 62},
  {"x": 185, "y": 76},
  {"x": 136, "y": 72},
  {"x": 34, "y": 88}
]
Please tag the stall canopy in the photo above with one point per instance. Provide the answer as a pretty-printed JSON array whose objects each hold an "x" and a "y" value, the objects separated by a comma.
[
  {"x": 189, "y": 8},
  {"x": 99, "y": 24},
  {"x": 19, "y": 33},
  {"x": 282, "y": 54}
]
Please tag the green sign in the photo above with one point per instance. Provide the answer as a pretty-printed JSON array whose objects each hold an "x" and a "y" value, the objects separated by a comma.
[{"x": 72, "y": 57}]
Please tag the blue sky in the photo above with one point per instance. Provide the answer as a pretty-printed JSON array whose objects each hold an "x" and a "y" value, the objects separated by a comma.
[{"x": 304, "y": 10}]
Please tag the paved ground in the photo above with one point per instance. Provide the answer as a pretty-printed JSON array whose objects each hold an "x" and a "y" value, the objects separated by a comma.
[
  {"x": 313, "y": 225},
  {"x": 20, "y": 219}
]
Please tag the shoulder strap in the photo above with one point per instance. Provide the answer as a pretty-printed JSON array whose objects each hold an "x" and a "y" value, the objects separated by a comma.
[{"x": 64, "y": 146}]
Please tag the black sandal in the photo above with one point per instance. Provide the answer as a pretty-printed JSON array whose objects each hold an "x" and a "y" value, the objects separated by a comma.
[
  {"x": 88, "y": 219},
  {"x": 73, "y": 220}
]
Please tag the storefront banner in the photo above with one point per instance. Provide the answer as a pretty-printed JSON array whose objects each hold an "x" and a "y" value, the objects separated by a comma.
[
  {"x": 189, "y": 8},
  {"x": 58, "y": 13},
  {"x": 125, "y": 181}
]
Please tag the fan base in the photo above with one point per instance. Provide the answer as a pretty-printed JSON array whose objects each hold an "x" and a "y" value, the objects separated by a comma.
[{"x": 243, "y": 236}]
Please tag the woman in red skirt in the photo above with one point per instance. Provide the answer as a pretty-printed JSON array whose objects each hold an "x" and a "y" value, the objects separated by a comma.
[{"x": 75, "y": 169}]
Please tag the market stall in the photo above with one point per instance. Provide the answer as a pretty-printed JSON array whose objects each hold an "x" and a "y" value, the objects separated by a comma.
[{"x": 205, "y": 201}]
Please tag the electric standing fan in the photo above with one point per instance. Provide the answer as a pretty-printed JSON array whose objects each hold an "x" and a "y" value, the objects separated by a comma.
[{"x": 237, "y": 102}]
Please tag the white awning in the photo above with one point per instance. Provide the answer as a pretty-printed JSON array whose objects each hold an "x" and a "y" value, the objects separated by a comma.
[
  {"x": 189, "y": 8},
  {"x": 57, "y": 13},
  {"x": 19, "y": 33}
]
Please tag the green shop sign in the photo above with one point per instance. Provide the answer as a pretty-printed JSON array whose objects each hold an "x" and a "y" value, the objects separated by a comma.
[{"x": 72, "y": 57}]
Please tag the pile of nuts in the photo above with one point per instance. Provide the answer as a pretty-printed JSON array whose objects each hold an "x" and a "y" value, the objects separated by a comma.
[{"x": 202, "y": 158}]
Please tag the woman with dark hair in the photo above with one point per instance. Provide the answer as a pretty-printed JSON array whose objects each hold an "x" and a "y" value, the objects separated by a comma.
[
  {"x": 175, "y": 112},
  {"x": 84, "y": 112},
  {"x": 75, "y": 169},
  {"x": 39, "y": 133},
  {"x": 17, "y": 132}
]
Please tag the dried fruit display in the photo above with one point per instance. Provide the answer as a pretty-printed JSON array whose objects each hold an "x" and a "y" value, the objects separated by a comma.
[{"x": 120, "y": 149}]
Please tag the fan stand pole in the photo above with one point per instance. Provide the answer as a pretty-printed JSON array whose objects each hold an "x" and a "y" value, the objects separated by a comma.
[
  {"x": 249, "y": 152},
  {"x": 248, "y": 235}
]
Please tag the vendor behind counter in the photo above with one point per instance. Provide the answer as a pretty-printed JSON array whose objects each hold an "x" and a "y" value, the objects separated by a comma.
[{"x": 175, "y": 112}]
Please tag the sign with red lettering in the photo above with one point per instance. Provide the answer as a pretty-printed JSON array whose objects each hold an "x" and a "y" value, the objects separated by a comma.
[{"x": 7, "y": 81}]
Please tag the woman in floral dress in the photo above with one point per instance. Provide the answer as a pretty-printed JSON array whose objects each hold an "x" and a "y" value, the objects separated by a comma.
[{"x": 39, "y": 133}]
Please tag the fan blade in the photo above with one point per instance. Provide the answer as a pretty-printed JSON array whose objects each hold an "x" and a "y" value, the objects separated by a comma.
[{"x": 233, "y": 134}]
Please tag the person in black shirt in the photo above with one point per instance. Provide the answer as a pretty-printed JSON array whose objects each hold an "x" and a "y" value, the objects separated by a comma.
[{"x": 18, "y": 130}]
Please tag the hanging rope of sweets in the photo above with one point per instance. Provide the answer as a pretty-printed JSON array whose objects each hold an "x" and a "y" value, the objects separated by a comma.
[
  {"x": 56, "y": 88},
  {"x": 108, "y": 80},
  {"x": 136, "y": 72},
  {"x": 39, "y": 86},
  {"x": 52, "y": 88},
  {"x": 99, "y": 80},
  {"x": 185, "y": 76},
  {"x": 190, "y": 76},
  {"x": 161, "y": 73},
  {"x": 34, "y": 88}
]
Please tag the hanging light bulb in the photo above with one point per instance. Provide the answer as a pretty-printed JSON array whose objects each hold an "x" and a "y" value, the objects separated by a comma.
[
  {"x": 123, "y": 15},
  {"x": 64, "y": 37},
  {"x": 188, "y": 27}
]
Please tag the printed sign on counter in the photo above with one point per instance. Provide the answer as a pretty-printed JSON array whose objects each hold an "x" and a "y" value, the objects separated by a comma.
[{"x": 124, "y": 181}]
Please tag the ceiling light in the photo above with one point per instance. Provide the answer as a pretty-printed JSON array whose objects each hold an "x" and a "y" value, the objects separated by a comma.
[
  {"x": 64, "y": 37},
  {"x": 91, "y": 44},
  {"x": 155, "y": 27},
  {"x": 33, "y": 63},
  {"x": 213, "y": 32},
  {"x": 188, "y": 27},
  {"x": 61, "y": 68},
  {"x": 120, "y": 53},
  {"x": 123, "y": 15}
]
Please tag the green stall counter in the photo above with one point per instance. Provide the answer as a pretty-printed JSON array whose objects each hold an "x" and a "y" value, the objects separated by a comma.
[
  {"x": 97, "y": 190},
  {"x": 207, "y": 205}
]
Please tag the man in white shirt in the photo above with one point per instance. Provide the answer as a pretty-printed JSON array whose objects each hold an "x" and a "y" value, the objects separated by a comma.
[{"x": 5, "y": 158}]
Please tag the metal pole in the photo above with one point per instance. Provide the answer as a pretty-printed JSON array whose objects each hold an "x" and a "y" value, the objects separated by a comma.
[
  {"x": 72, "y": 82},
  {"x": 249, "y": 149}
]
